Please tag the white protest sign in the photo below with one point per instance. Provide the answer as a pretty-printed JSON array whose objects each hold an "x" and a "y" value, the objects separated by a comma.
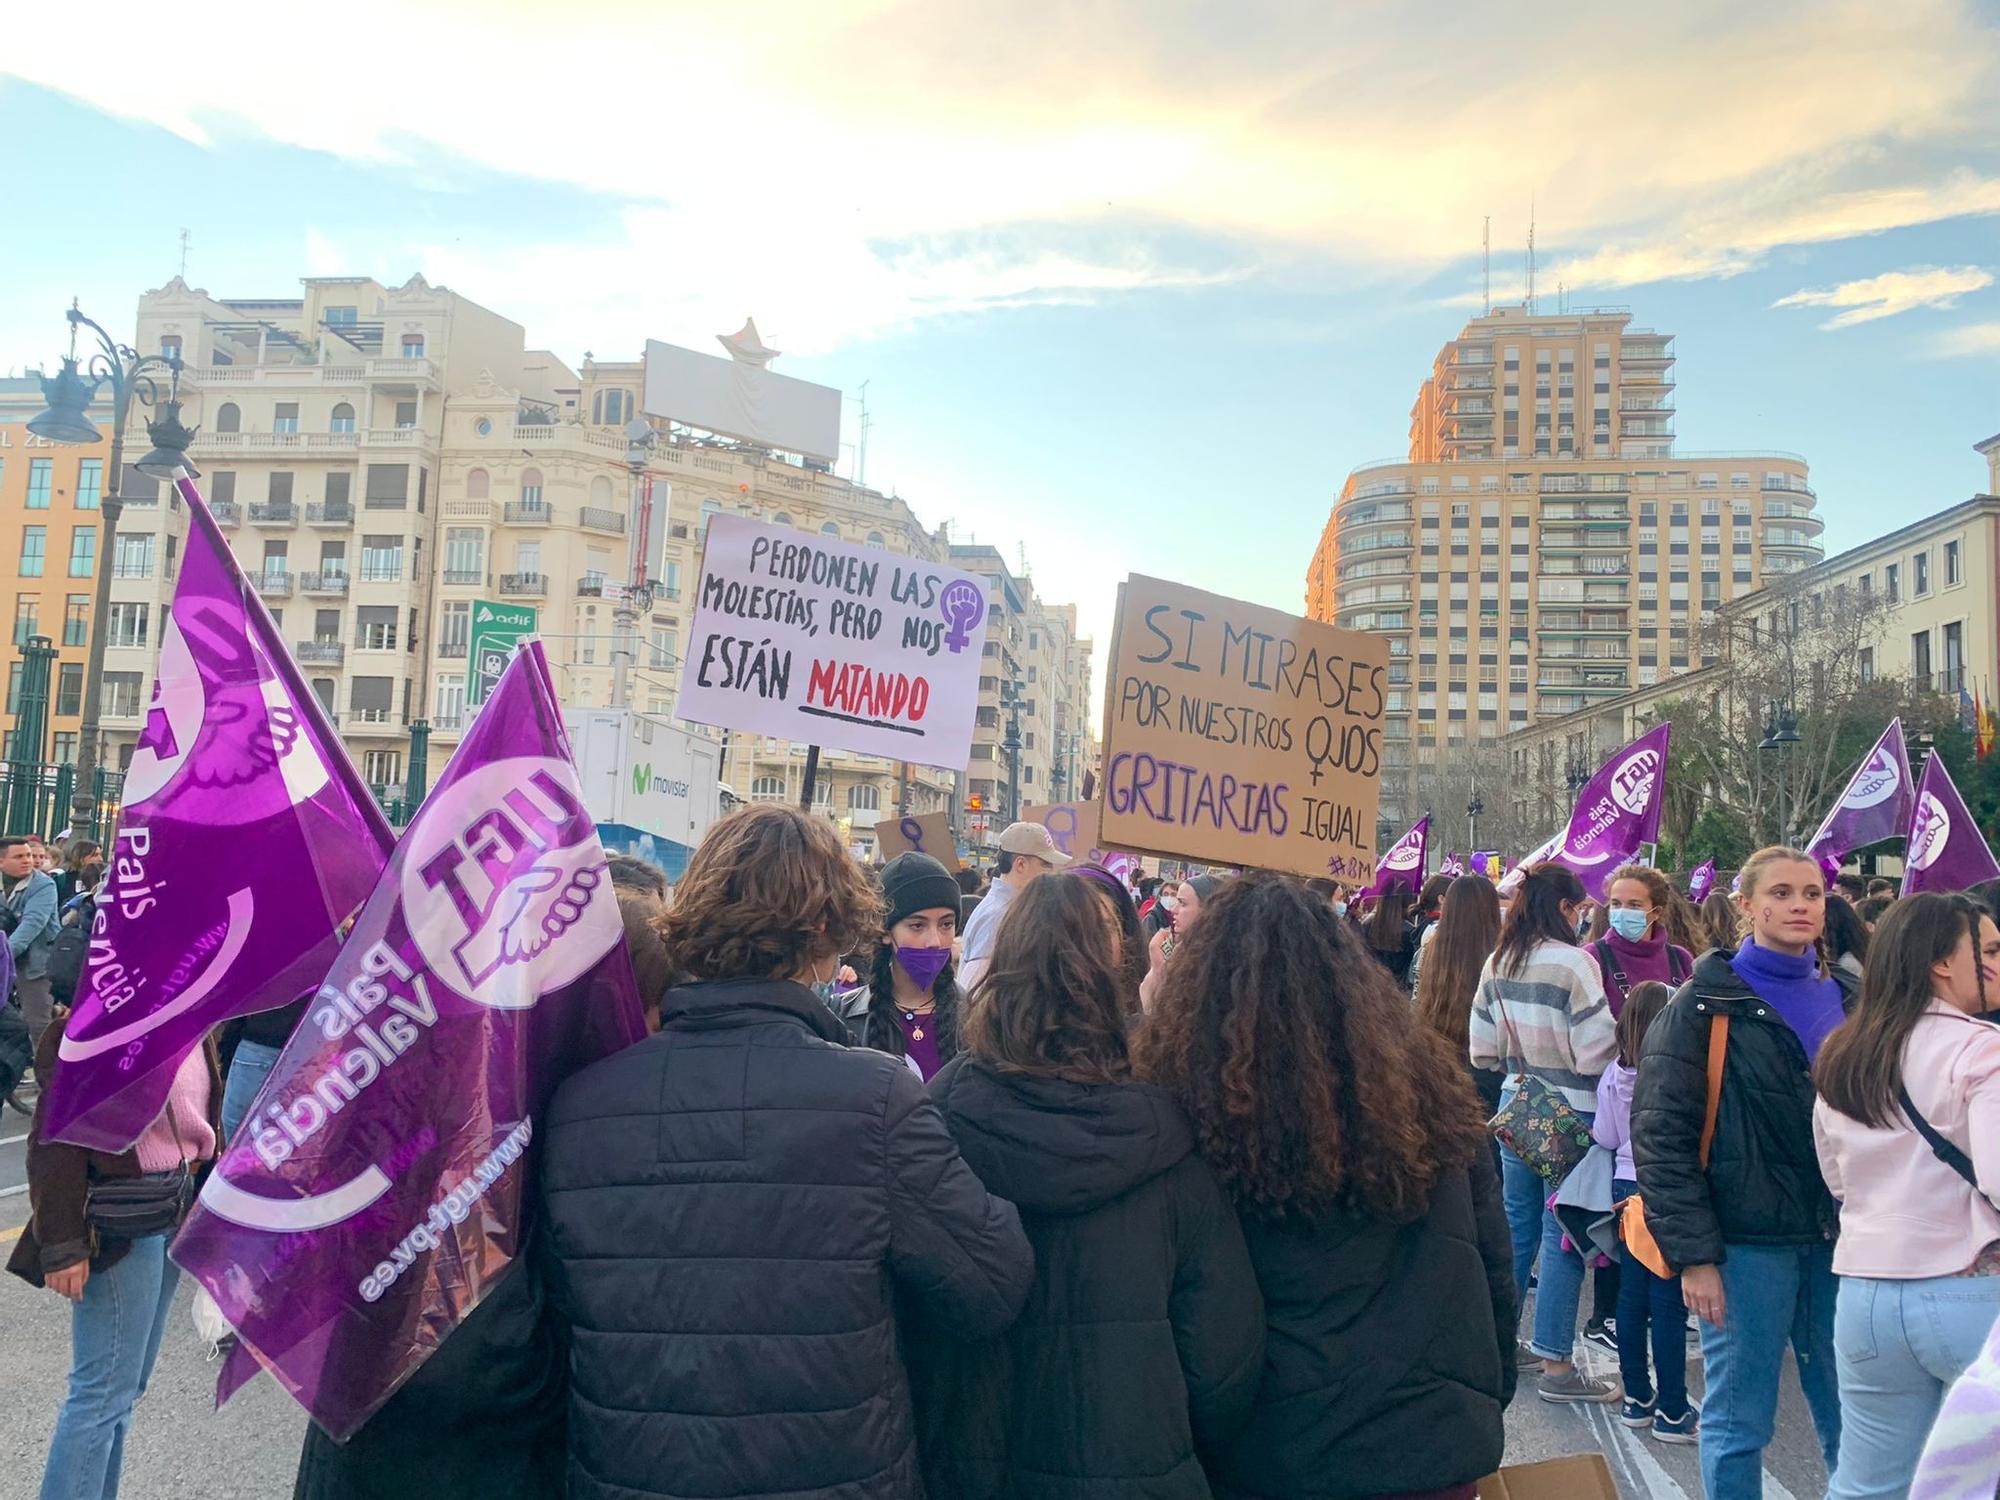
[{"x": 810, "y": 639}]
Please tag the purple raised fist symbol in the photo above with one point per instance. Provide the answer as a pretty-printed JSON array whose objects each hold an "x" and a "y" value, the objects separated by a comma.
[
  {"x": 914, "y": 832},
  {"x": 964, "y": 607}
]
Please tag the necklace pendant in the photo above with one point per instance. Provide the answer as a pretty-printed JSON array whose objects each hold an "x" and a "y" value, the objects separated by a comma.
[{"x": 917, "y": 1032}]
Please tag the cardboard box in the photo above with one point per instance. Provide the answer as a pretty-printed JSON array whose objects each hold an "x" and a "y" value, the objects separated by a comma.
[{"x": 1581, "y": 1476}]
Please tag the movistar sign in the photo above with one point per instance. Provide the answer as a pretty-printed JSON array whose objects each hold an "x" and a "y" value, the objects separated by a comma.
[{"x": 642, "y": 781}]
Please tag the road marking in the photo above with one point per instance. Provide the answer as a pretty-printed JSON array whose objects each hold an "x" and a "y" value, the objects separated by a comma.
[
  {"x": 8, "y": 1236},
  {"x": 12, "y": 1140},
  {"x": 10, "y": 1192}
]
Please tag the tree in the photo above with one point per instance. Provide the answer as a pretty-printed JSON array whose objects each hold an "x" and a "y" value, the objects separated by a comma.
[{"x": 1448, "y": 786}]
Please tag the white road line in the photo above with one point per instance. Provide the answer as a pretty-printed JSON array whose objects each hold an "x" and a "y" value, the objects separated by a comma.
[
  {"x": 12, "y": 1140},
  {"x": 10, "y": 1192}
]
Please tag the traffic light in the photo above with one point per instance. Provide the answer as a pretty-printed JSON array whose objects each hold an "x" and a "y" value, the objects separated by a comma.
[{"x": 975, "y": 803}]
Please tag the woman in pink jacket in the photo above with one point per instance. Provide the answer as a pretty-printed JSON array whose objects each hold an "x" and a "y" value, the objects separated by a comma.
[{"x": 1908, "y": 1131}]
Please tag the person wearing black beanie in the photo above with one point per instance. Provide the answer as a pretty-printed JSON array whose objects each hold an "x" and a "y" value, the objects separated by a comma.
[{"x": 909, "y": 1007}]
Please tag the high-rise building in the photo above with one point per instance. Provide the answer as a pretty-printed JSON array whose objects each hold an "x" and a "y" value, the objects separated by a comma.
[{"x": 1543, "y": 546}]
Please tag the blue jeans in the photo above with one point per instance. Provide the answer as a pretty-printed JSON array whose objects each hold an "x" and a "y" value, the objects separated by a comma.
[
  {"x": 1771, "y": 1295},
  {"x": 247, "y": 1071},
  {"x": 1900, "y": 1345},
  {"x": 1535, "y": 1232},
  {"x": 1522, "y": 1194},
  {"x": 1650, "y": 1304},
  {"x": 114, "y": 1338}
]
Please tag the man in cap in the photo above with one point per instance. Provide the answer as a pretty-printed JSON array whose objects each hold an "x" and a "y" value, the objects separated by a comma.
[{"x": 1026, "y": 853}]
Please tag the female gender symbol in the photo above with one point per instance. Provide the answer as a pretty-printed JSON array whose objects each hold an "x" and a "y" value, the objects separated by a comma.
[
  {"x": 963, "y": 607},
  {"x": 914, "y": 832},
  {"x": 1061, "y": 836}
]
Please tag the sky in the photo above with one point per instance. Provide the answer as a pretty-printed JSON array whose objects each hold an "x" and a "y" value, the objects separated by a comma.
[{"x": 1133, "y": 283}]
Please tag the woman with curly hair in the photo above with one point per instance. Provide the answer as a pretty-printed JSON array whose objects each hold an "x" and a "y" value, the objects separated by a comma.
[
  {"x": 739, "y": 1208},
  {"x": 1352, "y": 1146},
  {"x": 1143, "y": 1338},
  {"x": 909, "y": 1007}
]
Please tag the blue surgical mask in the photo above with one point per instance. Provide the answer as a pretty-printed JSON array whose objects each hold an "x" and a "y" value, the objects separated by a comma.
[
  {"x": 1340, "y": 908},
  {"x": 1630, "y": 925}
]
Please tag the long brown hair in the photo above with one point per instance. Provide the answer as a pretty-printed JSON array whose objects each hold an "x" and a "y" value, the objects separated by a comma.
[
  {"x": 769, "y": 891},
  {"x": 1467, "y": 930},
  {"x": 1721, "y": 922},
  {"x": 1643, "y": 1003},
  {"x": 1860, "y": 1067},
  {"x": 1387, "y": 924},
  {"x": 1310, "y": 1084},
  {"x": 1537, "y": 915},
  {"x": 1052, "y": 1002}
]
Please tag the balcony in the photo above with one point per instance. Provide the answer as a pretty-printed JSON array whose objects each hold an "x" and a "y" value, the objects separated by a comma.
[
  {"x": 275, "y": 444},
  {"x": 330, "y": 513},
  {"x": 226, "y": 512},
  {"x": 274, "y": 513},
  {"x": 373, "y": 721},
  {"x": 1373, "y": 515},
  {"x": 524, "y": 584},
  {"x": 323, "y": 582},
  {"x": 453, "y": 650},
  {"x": 326, "y": 653},
  {"x": 465, "y": 577},
  {"x": 594, "y": 518},
  {"x": 272, "y": 585},
  {"x": 590, "y": 588},
  {"x": 447, "y": 723},
  {"x": 382, "y": 573},
  {"x": 527, "y": 513},
  {"x": 392, "y": 371}
]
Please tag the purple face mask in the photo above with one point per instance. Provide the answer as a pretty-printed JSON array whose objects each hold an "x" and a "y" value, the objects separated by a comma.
[{"x": 923, "y": 964}]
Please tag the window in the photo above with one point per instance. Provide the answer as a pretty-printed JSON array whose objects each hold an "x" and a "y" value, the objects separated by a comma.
[
  {"x": 133, "y": 556},
  {"x": 1892, "y": 581},
  {"x": 69, "y": 688},
  {"x": 767, "y": 789},
  {"x": 65, "y": 747},
  {"x": 464, "y": 555},
  {"x": 228, "y": 418},
  {"x": 381, "y": 559},
  {"x": 413, "y": 346},
  {"x": 1920, "y": 656},
  {"x": 666, "y": 647},
  {"x": 121, "y": 695},
  {"x": 90, "y": 484},
  {"x": 455, "y": 629},
  {"x": 170, "y": 345},
  {"x": 528, "y": 559},
  {"x": 406, "y": 414},
  {"x": 531, "y": 486},
  {"x": 448, "y": 701},
  {"x": 370, "y": 698},
  {"x": 1954, "y": 655},
  {"x": 875, "y": 539},
  {"x": 341, "y": 317},
  {"x": 333, "y": 559},
  {"x": 41, "y": 475},
  {"x": 326, "y": 627},
  {"x": 829, "y": 529},
  {"x": 864, "y": 796},
  {"x": 611, "y": 408},
  {"x": 27, "y": 607},
  {"x": 82, "y": 551},
  {"x": 388, "y": 487},
  {"x": 382, "y": 767},
  {"x": 14, "y": 675},
  {"x": 286, "y": 417},
  {"x": 127, "y": 624},
  {"x": 376, "y": 627},
  {"x": 280, "y": 492},
  {"x": 340, "y": 496},
  {"x": 34, "y": 545},
  {"x": 343, "y": 418},
  {"x": 708, "y": 508},
  {"x": 1920, "y": 574},
  {"x": 76, "y": 620},
  {"x": 1952, "y": 567},
  {"x": 478, "y": 485}
]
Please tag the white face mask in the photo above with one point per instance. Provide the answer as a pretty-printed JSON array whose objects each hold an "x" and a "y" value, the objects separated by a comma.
[{"x": 1169, "y": 903}]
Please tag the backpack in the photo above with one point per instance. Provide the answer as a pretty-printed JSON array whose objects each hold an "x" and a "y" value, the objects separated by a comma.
[{"x": 68, "y": 952}]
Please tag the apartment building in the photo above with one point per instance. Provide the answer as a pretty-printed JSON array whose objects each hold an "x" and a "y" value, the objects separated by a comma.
[
  {"x": 1033, "y": 654},
  {"x": 1543, "y": 547},
  {"x": 49, "y": 530}
]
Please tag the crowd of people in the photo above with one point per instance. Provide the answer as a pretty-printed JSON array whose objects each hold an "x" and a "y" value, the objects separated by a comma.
[{"x": 1235, "y": 1185}]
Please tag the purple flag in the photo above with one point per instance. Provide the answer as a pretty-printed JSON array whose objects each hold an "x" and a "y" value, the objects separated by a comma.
[
  {"x": 1406, "y": 860},
  {"x": 1452, "y": 865},
  {"x": 1875, "y": 805},
  {"x": 1618, "y": 812},
  {"x": 1946, "y": 851},
  {"x": 244, "y": 841},
  {"x": 1701, "y": 882},
  {"x": 376, "y": 1188}
]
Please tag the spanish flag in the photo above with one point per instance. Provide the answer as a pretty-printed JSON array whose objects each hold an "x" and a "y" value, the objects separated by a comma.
[{"x": 1984, "y": 727}]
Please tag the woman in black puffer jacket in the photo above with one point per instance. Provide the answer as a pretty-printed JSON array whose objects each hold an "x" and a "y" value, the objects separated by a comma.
[{"x": 1143, "y": 1338}]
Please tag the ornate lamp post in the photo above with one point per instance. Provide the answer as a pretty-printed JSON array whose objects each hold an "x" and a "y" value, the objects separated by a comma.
[
  {"x": 66, "y": 419},
  {"x": 1781, "y": 732}
]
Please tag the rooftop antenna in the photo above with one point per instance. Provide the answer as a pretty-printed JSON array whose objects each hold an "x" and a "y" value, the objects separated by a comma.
[
  {"x": 1531, "y": 254},
  {"x": 184, "y": 254},
  {"x": 861, "y": 447},
  {"x": 1486, "y": 267}
]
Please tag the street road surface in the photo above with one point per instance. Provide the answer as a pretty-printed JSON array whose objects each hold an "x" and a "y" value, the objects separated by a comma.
[{"x": 180, "y": 1448}]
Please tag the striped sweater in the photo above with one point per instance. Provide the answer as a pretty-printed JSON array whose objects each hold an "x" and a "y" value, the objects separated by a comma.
[{"x": 1550, "y": 1018}]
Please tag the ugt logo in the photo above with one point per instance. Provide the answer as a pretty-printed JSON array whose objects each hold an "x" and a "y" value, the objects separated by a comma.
[
  {"x": 504, "y": 889},
  {"x": 1632, "y": 782}
]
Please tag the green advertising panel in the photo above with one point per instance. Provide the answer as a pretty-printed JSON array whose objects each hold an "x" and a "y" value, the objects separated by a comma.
[{"x": 496, "y": 629}]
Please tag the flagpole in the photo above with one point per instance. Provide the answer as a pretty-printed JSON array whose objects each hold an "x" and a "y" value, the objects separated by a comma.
[{"x": 806, "y": 781}]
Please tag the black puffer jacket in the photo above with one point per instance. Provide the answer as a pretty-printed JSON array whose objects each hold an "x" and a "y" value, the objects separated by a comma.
[
  {"x": 1763, "y": 1184},
  {"x": 1144, "y": 1334},
  {"x": 732, "y": 1206},
  {"x": 1389, "y": 1351}
]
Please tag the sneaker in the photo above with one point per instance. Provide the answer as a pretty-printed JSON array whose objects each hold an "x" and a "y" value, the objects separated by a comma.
[
  {"x": 14, "y": 1103},
  {"x": 1636, "y": 1413},
  {"x": 1604, "y": 1335},
  {"x": 1573, "y": 1386},
  {"x": 1526, "y": 1358},
  {"x": 1683, "y": 1429}
]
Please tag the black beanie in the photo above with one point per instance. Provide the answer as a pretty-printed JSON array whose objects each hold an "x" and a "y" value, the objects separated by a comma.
[{"x": 915, "y": 882}]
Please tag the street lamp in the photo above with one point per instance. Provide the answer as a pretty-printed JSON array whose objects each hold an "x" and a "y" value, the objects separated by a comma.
[
  {"x": 1010, "y": 698},
  {"x": 640, "y": 440},
  {"x": 1472, "y": 811},
  {"x": 1781, "y": 732},
  {"x": 1576, "y": 778},
  {"x": 66, "y": 419}
]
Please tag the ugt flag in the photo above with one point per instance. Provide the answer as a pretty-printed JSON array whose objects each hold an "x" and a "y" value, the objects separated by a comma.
[
  {"x": 1875, "y": 804},
  {"x": 1617, "y": 813},
  {"x": 1702, "y": 881},
  {"x": 1405, "y": 862},
  {"x": 376, "y": 1188},
  {"x": 245, "y": 840},
  {"x": 1946, "y": 851}
]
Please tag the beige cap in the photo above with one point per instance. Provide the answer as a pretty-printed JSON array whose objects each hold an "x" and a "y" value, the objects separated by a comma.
[{"x": 1032, "y": 838}]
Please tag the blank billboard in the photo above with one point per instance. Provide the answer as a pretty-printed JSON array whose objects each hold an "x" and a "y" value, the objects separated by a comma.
[{"x": 742, "y": 401}]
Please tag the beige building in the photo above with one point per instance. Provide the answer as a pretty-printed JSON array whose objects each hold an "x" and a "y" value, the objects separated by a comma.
[{"x": 1543, "y": 548}]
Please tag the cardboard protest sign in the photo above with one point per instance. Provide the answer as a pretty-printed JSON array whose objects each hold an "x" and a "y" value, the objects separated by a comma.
[
  {"x": 1075, "y": 828},
  {"x": 810, "y": 639},
  {"x": 1241, "y": 735},
  {"x": 930, "y": 834}
]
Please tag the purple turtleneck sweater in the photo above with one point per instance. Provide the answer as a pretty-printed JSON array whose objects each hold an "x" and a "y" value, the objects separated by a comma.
[
  {"x": 1651, "y": 957},
  {"x": 1791, "y": 985}
]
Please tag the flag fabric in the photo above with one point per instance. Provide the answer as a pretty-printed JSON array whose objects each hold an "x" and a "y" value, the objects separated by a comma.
[
  {"x": 1982, "y": 734},
  {"x": 1875, "y": 804},
  {"x": 1405, "y": 862},
  {"x": 1616, "y": 815},
  {"x": 377, "y": 1186},
  {"x": 1453, "y": 865},
  {"x": 1968, "y": 710},
  {"x": 1701, "y": 882},
  {"x": 245, "y": 839},
  {"x": 1946, "y": 851}
]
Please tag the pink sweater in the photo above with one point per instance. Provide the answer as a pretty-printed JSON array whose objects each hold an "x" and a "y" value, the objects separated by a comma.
[
  {"x": 182, "y": 1129},
  {"x": 1904, "y": 1214}
]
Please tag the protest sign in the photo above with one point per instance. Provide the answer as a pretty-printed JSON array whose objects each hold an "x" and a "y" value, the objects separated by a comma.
[
  {"x": 496, "y": 630},
  {"x": 1874, "y": 805},
  {"x": 376, "y": 1187},
  {"x": 1946, "y": 850},
  {"x": 929, "y": 834},
  {"x": 245, "y": 839},
  {"x": 1075, "y": 827},
  {"x": 1241, "y": 735},
  {"x": 808, "y": 638}
]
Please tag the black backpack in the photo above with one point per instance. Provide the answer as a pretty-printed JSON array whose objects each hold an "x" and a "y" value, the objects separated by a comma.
[{"x": 68, "y": 952}]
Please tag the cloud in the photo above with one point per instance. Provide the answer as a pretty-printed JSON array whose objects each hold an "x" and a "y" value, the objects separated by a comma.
[
  {"x": 1891, "y": 293},
  {"x": 1971, "y": 340}
]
